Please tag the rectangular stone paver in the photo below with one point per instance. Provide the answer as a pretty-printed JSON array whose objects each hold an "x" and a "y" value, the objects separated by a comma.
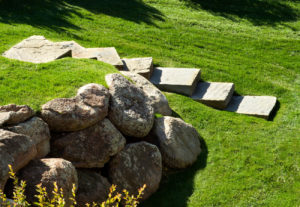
[
  {"x": 260, "y": 106},
  {"x": 141, "y": 66},
  {"x": 177, "y": 80},
  {"x": 215, "y": 94},
  {"x": 108, "y": 55}
]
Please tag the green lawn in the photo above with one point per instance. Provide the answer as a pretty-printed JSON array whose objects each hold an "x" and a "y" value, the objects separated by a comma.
[{"x": 246, "y": 161}]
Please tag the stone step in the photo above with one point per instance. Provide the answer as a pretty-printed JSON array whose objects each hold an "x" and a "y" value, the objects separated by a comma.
[
  {"x": 141, "y": 66},
  {"x": 177, "y": 80},
  {"x": 214, "y": 94},
  {"x": 260, "y": 106}
]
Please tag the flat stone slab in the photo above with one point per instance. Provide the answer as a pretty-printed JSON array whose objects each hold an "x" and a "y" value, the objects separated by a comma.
[
  {"x": 37, "y": 49},
  {"x": 108, "y": 55},
  {"x": 215, "y": 94},
  {"x": 260, "y": 106},
  {"x": 141, "y": 66},
  {"x": 177, "y": 80}
]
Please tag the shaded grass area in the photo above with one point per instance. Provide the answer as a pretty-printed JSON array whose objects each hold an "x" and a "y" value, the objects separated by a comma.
[{"x": 246, "y": 161}]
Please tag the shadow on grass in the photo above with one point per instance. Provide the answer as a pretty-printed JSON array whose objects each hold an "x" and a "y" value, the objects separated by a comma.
[
  {"x": 178, "y": 185},
  {"x": 55, "y": 15},
  {"x": 259, "y": 12}
]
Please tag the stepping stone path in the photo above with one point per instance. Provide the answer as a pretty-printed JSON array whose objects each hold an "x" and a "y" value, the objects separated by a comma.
[
  {"x": 141, "y": 66},
  {"x": 186, "y": 81},
  {"x": 216, "y": 94},
  {"x": 178, "y": 80},
  {"x": 260, "y": 106}
]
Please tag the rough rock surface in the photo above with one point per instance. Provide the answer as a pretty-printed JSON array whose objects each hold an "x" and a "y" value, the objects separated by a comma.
[
  {"x": 37, "y": 49},
  {"x": 157, "y": 98},
  {"x": 130, "y": 108},
  {"x": 14, "y": 114},
  {"x": 92, "y": 187},
  {"x": 138, "y": 164},
  {"x": 141, "y": 66},
  {"x": 179, "y": 142},
  {"x": 16, "y": 150},
  {"x": 47, "y": 171},
  {"x": 72, "y": 114},
  {"x": 91, "y": 147},
  {"x": 108, "y": 55},
  {"x": 38, "y": 131}
]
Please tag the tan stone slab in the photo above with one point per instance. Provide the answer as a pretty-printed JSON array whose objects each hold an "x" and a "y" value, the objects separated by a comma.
[
  {"x": 177, "y": 80},
  {"x": 215, "y": 94},
  {"x": 260, "y": 106},
  {"x": 108, "y": 55},
  {"x": 141, "y": 66},
  {"x": 37, "y": 49}
]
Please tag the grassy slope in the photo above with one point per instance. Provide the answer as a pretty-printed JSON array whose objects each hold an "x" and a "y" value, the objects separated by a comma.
[{"x": 255, "y": 44}]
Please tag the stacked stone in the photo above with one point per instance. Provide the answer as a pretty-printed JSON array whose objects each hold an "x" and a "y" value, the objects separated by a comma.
[{"x": 92, "y": 133}]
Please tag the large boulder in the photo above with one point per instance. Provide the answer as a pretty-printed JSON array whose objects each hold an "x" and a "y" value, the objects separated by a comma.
[
  {"x": 16, "y": 150},
  {"x": 138, "y": 164},
  {"x": 72, "y": 114},
  {"x": 92, "y": 187},
  {"x": 38, "y": 131},
  {"x": 157, "y": 98},
  {"x": 91, "y": 147},
  {"x": 14, "y": 114},
  {"x": 130, "y": 108},
  {"x": 37, "y": 49},
  {"x": 45, "y": 172},
  {"x": 179, "y": 142}
]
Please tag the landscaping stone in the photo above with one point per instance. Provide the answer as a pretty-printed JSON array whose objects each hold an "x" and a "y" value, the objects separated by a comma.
[
  {"x": 137, "y": 164},
  {"x": 47, "y": 171},
  {"x": 91, "y": 147},
  {"x": 38, "y": 131},
  {"x": 37, "y": 49},
  {"x": 73, "y": 46},
  {"x": 260, "y": 106},
  {"x": 108, "y": 55},
  {"x": 141, "y": 66},
  {"x": 214, "y": 94},
  {"x": 157, "y": 98},
  {"x": 177, "y": 80},
  {"x": 179, "y": 142},
  {"x": 130, "y": 108},
  {"x": 14, "y": 114},
  {"x": 92, "y": 187},
  {"x": 72, "y": 114},
  {"x": 16, "y": 150}
]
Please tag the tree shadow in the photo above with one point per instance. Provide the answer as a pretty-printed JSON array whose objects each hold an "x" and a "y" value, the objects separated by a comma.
[
  {"x": 178, "y": 185},
  {"x": 259, "y": 12},
  {"x": 56, "y": 14}
]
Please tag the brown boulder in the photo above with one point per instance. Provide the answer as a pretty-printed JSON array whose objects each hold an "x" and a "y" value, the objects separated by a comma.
[
  {"x": 179, "y": 142},
  {"x": 137, "y": 164},
  {"x": 16, "y": 150},
  {"x": 47, "y": 171},
  {"x": 72, "y": 114},
  {"x": 91, "y": 147},
  {"x": 14, "y": 114},
  {"x": 92, "y": 187},
  {"x": 130, "y": 108},
  {"x": 38, "y": 131}
]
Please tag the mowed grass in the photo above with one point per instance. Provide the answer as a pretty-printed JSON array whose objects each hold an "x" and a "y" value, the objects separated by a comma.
[{"x": 246, "y": 161}]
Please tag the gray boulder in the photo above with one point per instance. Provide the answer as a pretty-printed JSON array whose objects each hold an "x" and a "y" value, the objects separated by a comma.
[
  {"x": 137, "y": 164},
  {"x": 91, "y": 147},
  {"x": 72, "y": 114},
  {"x": 157, "y": 98},
  {"x": 92, "y": 187},
  {"x": 130, "y": 108},
  {"x": 16, "y": 150},
  {"x": 45, "y": 172},
  {"x": 38, "y": 131},
  {"x": 14, "y": 114},
  {"x": 179, "y": 142}
]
